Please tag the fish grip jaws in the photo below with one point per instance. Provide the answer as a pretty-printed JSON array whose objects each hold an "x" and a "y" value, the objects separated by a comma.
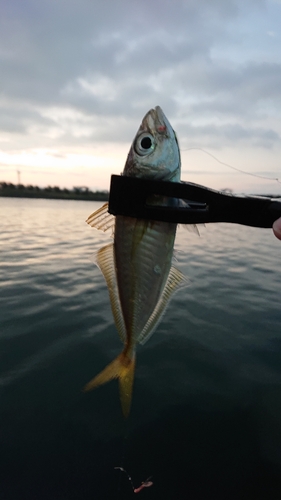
[{"x": 129, "y": 197}]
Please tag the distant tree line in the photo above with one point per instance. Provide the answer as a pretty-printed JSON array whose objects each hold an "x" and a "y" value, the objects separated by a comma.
[{"x": 55, "y": 192}]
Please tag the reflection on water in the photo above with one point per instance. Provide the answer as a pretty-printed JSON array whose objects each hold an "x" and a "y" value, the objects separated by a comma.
[{"x": 206, "y": 410}]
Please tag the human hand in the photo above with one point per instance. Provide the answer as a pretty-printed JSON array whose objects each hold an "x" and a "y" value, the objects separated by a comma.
[{"x": 277, "y": 228}]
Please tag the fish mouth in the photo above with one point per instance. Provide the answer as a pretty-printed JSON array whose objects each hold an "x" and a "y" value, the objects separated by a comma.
[{"x": 155, "y": 121}]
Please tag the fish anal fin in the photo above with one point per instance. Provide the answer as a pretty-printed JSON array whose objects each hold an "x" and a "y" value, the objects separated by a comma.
[
  {"x": 106, "y": 262},
  {"x": 123, "y": 368},
  {"x": 175, "y": 281},
  {"x": 101, "y": 219}
]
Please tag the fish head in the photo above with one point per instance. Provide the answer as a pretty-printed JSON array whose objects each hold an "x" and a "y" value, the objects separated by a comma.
[{"x": 154, "y": 153}]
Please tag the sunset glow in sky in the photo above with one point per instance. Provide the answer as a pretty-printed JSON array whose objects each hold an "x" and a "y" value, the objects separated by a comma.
[{"x": 77, "y": 78}]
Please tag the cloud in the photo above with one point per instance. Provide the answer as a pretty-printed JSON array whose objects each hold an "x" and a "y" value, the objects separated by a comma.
[
  {"x": 77, "y": 74},
  {"x": 214, "y": 136}
]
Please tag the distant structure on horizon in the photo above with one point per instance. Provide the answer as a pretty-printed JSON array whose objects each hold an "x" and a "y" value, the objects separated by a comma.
[{"x": 81, "y": 189}]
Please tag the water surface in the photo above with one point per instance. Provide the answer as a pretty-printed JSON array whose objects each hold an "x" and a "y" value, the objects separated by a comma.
[{"x": 206, "y": 412}]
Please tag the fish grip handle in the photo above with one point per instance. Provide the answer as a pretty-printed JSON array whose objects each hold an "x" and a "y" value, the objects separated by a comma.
[{"x": 129, "y": 196}]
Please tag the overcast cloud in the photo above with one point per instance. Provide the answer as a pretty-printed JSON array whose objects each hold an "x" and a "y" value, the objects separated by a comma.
[{"x": 76, "y": 78}]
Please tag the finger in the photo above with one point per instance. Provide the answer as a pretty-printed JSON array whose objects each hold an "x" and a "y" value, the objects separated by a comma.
[{"x": 277, "y": 228}]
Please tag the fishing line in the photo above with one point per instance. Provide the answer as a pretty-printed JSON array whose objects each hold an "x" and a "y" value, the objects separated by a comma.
[
  {"x": 125, "y": 444},
  {"x": 234, "y": 168},
  {"x": 144, "y": 484}
]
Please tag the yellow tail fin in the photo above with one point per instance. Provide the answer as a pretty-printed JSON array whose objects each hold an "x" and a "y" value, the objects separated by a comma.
[{"x": 123, "y": 368}]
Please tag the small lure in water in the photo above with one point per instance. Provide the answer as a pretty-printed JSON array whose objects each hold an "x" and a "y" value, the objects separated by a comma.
[
  {"x": 138, "y": 266},
  {"x": 145, "y": 484}
]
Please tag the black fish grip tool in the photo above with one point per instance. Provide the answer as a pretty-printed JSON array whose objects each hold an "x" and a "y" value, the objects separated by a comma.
[{"x": 132, "y": 197}]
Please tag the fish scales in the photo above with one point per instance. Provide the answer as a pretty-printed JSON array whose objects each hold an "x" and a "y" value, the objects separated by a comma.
[
  {"x": 137, "y": 266},
  {"x": 142, "y": 269}
]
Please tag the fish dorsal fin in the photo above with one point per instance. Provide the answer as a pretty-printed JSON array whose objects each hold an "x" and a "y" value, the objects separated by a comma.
[
  {"x": 101, "y": 219},
  {"x": 175, "y": 281},
  {"x": 105, "y": 261}
]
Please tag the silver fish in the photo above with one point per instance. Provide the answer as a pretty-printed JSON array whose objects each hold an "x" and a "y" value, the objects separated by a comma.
[{"x": 138, "y": 267}]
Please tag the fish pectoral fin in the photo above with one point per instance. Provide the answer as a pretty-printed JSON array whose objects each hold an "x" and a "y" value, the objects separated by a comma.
[
  {"x": 175, "y": 281},
  {"x": 101, "y": 219},
  {"x": 123, "y": 368},
  {"x": 192, "y": 228},
  {"x": 106, "y": 262}
]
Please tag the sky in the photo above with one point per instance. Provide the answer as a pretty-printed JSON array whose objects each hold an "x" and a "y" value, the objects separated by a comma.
[{"x": 77, "y": 77}]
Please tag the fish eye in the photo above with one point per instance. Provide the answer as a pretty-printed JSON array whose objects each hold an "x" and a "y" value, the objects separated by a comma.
[{"x": 144, "y": 144}]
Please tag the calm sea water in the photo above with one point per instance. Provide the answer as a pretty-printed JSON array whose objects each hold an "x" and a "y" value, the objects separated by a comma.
[{"x": 206, "y": 413}]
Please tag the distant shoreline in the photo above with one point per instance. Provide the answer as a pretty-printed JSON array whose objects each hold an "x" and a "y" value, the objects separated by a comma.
[
  {"x": 57, "y": 196},
  {"x": 53, "y": 195}
]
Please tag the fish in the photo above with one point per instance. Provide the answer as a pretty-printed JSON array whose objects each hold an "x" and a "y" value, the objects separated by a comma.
[{"x": 137, "y": 266}]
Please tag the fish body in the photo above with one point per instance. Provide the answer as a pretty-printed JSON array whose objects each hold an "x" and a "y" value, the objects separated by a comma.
[{"x": 138, "y": 265}]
